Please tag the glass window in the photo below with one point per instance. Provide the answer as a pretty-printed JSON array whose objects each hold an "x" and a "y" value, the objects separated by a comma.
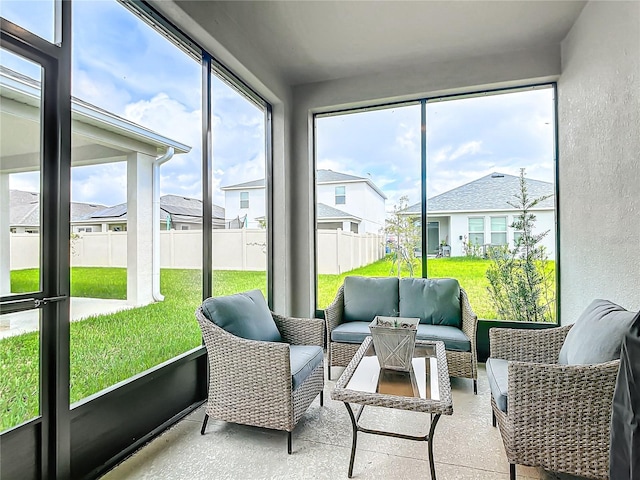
[
  {"x": 476, "y": 231},
  {"x": 36, "y": 16},
  {"x": 381, "y": 220},
  {"x": 136, "y": 163},
  {"x": 498, "y": 230},
  {"x": 241, "y": 222},
  {"x": 244, "y": 199},
  {"x": 20, "y": 236}
]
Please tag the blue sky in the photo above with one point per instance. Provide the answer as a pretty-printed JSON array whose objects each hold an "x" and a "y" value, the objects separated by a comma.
[{"x": 122, "y": 65}]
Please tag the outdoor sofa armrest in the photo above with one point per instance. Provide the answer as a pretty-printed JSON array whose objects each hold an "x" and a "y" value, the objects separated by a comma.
[
  {"x": 300, "y": 331},
  {"x": 559, "y": 411},
  {"x": 540, "y": 346},
  {"x": 245, "y": 372},
  {"x": 334, "y": 312},
  {"x": 469, "y": 319}
]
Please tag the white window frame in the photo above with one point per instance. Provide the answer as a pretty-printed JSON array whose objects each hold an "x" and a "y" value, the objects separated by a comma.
[
  {"x": 244, "y": 202},
  {"x": 499, "y": 232},
  {"x": 476, "y": 232}
]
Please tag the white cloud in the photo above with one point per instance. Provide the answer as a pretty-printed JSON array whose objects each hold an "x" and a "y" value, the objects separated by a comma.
[{"x": 468, "y": 148}]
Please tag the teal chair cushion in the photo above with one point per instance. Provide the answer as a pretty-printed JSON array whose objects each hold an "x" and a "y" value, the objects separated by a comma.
[
  {"x": 366, "y": 297},
  {"x": 244, "y": 315},
  {"x": 434, "y": 301},
  {"x": 597, "y": 335},
  {"x": 454, "y": 339},
  {"x": 303, "y": 360},
  {"x": 498, "y": 375}
]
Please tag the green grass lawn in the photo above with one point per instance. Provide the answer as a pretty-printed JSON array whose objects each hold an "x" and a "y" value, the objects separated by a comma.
[{"x": 107, "y": 349}]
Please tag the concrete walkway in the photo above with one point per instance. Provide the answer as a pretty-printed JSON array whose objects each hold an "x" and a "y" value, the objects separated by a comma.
[{"x": 81, "y": 308}]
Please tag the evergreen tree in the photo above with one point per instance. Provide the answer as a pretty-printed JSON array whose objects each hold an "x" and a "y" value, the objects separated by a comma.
[{"x": 521, "y": 279}]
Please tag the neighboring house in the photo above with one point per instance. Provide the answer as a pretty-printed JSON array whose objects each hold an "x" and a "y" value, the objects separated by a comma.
[
  {"x": 176, "y": 213},
  {"x": 479, "y": 212},
  {"x": 24, "y": 212},
  {"x": 345, "y": 201}
]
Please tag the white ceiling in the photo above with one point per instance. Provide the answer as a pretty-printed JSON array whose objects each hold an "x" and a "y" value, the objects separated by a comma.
[{"x": 311, "y": 41}]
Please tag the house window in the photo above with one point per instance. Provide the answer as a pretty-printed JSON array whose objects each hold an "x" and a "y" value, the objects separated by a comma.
[
  {"x": 184, "y": 227},
  {"x": 476, "y": 231},
  {"x": 516, "y": 238},
  {"x": 244, "y": 199},
  {"x": 341, "y": 195},
  {"x": 85, "y": 229},
  {"x": 498, "y": 230}
]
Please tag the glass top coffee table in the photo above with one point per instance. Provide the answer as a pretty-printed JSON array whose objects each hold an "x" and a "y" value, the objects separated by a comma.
[{"x": 425, "y": 388}]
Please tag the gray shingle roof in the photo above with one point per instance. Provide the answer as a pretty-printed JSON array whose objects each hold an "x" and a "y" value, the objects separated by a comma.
[
  {"x": 491, "y": 192},
  {"x": 180, "y": 208},
  {"x": 322, "y": 176},
  {"x": 24, "y": 208},
  {"x": 325, "y": 211}
]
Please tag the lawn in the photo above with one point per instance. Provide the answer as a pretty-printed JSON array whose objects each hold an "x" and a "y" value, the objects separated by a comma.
[{"x": 107, "y": 349}]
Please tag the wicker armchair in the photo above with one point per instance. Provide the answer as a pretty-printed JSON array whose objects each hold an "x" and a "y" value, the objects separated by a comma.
[
  {"x": 250, "y": 382},
  {"x": 557, "y": 416},
  {"x": 461, "y": 364}
]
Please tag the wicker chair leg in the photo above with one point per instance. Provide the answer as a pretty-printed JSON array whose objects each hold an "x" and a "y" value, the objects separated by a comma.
[
  {"x": 204, "y": 424},
  {"x": 289, "y": 443},
  {"x": 493, "y": 418},
  {"x": 322, "y": 398},
  {"x": 512, "y": 471},
  {"x": 475, "y": 387}
]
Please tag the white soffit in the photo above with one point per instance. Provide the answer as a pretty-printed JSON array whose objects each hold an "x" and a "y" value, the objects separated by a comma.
[{"x": 312, "y": 41}]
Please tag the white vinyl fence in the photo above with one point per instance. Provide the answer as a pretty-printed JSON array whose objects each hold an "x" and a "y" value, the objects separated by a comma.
[{"x": 233, "y": 249}]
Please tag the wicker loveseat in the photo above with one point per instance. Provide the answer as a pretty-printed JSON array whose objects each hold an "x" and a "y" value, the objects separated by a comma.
[
  {"x": 442, "y": 306},
  {"x": 264, "y": 369},
  {"x": 551, "y": 395}
]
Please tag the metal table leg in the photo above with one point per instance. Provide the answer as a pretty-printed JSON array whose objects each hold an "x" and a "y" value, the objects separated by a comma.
[{"x": 357, "y": 428}]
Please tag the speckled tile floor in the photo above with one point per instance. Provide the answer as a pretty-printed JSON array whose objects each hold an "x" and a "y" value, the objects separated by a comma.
[{"x": 466, "y": 446}]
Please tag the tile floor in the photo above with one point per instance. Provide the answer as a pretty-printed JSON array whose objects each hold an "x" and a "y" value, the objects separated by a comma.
[{"x": 466, "y": 446}]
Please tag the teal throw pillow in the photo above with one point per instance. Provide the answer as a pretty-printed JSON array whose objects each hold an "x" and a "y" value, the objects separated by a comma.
[
  {"x": 244, "y": 315},
  {"x": 597, "y": 335}
]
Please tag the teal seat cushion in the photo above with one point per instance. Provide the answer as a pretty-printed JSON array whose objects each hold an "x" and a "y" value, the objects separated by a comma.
[
  {"x": 350, "y": 332},
  {"x": 498, "y": 375},
  {"x": 303, "y": 360},
  {"x": 454, "y": 339},
  {"x": 244, "y": 315},
  {"x": 597, "y": 335},
  {"x": 434, "y": 301},
  {"x": 366, "y": 297}
]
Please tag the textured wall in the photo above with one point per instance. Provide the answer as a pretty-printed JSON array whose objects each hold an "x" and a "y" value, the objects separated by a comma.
[{"x": 599, "y": 123}]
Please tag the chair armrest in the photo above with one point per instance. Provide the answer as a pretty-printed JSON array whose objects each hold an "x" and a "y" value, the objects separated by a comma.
[
  {"x": 334, "y": 312},
  {"x": 300, "y": 331},
  {"x": 555, "y": 409},
  {"x": 538, "y": 346},
  {"x": 469, "y": 320}
]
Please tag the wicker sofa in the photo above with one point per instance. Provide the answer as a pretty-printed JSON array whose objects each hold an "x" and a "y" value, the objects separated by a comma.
[
  {"x": 264, "y": 369},
  {"x": 442, "y": 306},
  {"x": 553, "y": 408}
]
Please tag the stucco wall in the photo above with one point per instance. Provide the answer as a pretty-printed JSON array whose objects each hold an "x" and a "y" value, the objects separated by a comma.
[{"x": 599, "y": 141}]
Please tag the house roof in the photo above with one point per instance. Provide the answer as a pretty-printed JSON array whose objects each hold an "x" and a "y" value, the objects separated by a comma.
[
  {"x": 325, "y": 212},
  {"x": 179, "y": 208},
  {"x": 24, "y": 209},
  {"x": 322, "y": 177},
  {"x": 491, "y": 192}
]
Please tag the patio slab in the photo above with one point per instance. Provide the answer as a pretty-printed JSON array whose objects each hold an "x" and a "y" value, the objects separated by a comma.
[{"x": 466, "y": 446}]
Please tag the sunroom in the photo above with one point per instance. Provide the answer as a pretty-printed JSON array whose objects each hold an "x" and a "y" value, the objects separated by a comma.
[{"x": 278, "y": 91}]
